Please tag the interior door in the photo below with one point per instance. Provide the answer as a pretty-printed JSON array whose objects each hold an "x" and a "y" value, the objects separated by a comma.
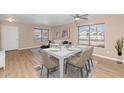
[{"x": 9, "y": 37}]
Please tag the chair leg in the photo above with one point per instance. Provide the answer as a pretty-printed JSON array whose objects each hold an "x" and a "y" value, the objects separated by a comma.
[
  {"x": 47, "y": 73},
  {"x": 41, "y": 69},
  {"x": 92, "y": 62},
  {"x": 66, "y": 68},
  {"x": 81, "y": 72},
  {"x": 89, "y": 65},
  {"x": 86, "y": 70}
]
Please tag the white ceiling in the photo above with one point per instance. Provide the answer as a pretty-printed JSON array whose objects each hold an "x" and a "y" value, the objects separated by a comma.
[{"x": 47, "y": 19}]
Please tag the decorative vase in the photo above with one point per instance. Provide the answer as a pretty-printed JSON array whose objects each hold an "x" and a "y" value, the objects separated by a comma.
[
  {"x": 120, "y": 58},
  {"x": 119, "y": 53}
]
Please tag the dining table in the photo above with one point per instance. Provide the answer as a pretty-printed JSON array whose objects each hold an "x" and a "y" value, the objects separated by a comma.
[{"x": 61, "y": 54}]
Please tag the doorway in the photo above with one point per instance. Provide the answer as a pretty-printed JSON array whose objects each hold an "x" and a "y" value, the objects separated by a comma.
[{"x": 10, "y": 37}]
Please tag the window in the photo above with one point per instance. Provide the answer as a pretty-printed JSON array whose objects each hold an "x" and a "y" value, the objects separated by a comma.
[
  {"x": 40, "y": 34},
  {"x": 84, "y": 34},
  {"x": 92, "y": 35}
]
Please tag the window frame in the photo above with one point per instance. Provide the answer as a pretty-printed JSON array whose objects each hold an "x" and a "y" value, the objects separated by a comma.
[
  {"x": 89, "y": 42},
  {"x": 41, "y": 40}
]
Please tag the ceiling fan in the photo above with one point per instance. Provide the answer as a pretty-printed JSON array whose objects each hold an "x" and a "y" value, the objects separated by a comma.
[{"x": 78, "y": 17}]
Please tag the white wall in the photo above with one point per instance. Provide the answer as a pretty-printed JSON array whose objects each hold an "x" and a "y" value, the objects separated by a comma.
[{"x": 26, "y": 33}]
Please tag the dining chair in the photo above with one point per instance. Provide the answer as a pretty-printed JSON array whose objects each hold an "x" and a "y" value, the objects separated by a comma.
[
  {"x": 79, "y": 62},
  {"x": 49, "y": 62},
  {"x": 89, "y": 57}
]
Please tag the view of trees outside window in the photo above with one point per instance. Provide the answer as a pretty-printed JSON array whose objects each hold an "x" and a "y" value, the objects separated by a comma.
[
  {"x": 92, "y": 35},
  {"x": 40, "y": 34}
]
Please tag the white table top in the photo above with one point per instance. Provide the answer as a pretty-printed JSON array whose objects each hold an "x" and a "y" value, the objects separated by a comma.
[{"x": 63, "y": 52}]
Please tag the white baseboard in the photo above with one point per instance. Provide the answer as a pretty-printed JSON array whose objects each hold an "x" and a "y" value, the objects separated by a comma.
[
  {"x": 28, "y": 47},
  {"x": 110, "y": 58}
]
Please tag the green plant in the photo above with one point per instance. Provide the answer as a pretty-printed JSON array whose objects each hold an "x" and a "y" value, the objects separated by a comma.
[{"x": 119, "y": 46}]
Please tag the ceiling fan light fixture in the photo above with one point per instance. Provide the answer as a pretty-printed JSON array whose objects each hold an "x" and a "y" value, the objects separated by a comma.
[
  {"x": 77, "y": 18},
  {"x": 10, "y": 19}
]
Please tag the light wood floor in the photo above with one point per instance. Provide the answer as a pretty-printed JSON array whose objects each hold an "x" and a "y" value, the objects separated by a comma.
[
  {"x": 108, "y": 69},
  {"x": 20, "y": 64}
]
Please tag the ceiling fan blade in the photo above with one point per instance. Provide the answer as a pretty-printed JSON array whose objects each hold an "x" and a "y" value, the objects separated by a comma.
[
  {"x": 84, "y": 18},
  {"x": 73, "y": 15},
  {"x": 78, "y": 16},
  {"x": 84, "y": 15}
]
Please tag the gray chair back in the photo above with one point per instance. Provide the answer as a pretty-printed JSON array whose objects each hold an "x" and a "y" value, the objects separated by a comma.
[
  {"x": 83, "y": 57},
  {"x": 46, "y": 59},
  {"x": 90, "y": 52}
]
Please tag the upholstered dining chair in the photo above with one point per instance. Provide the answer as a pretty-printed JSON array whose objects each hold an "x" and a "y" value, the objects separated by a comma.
[
  {"x": 79, "y": 62},
  {"x": 89, "y": 57},
  {"x": 48, "y": 62}
]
